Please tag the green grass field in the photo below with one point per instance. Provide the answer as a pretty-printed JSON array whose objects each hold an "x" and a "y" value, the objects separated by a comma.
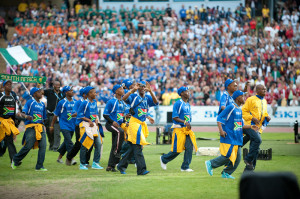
[{"x": 62, "y": 181}]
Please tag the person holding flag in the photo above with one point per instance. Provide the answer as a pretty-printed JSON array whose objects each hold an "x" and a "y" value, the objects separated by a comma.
[
  {"x": 231, "y": 125},
  {"x": 8, "y": 111},
  {"x": 34, "y": 113},
  {"x": 183, "y": 137},
  {"x": 64, "y": 111},
  {"x": 114, "y": 113},
  {"x": 90, "y": 131},
  {"x": 138, "y": 130},
  {"x": 255, "y": 113}
]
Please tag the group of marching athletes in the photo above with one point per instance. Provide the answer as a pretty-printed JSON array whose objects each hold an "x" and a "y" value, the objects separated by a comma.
[{"x": 125, "y": 116}]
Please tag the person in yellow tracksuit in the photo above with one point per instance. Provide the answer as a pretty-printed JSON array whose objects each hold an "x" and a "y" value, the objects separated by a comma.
[
  {"x": 34, "y": 137},
  {"x": 183, "y": 137},
  {"x": 255, "y": 113},
  {"x": 138, "y": 129}
]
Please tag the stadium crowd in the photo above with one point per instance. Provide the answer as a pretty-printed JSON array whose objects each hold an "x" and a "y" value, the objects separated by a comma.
[{"x": 199, "y": 47}]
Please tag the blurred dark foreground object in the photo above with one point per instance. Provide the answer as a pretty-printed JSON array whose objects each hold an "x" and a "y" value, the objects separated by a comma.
[{"x": 263, "y": 185}]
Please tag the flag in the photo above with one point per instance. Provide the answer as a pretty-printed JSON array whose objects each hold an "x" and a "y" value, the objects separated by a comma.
[{"x": 18, "y": 55}]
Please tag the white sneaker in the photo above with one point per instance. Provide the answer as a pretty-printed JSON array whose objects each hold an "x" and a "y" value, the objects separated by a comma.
[
  {"x": 187, "y": 170},
  {"x": 60, "y": 161},
  {"x": 163, "y": 165},
  {"x": 73, "y": 162}
]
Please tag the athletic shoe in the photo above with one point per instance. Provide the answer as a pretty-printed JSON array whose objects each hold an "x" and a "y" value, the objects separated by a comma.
[
  {"x": 13, "y": 166},
  {"x": 41, "y": 169},
  {"x": 209, "y": 169},
  {"x": 60, "y": 161},
  {"x": 226, "y": 175},
  {"x": 145, "y": 172},
  {"x": 96, "y": 166},
  {"x": 187, "y": 170},
  {"x": 68, "y": 162},
  {"x": 111, "y": 169},
  {"x": 122, "y": 172},
  {"x": 163, "y": 165},
  {"x": 83, "y": 167},
  {"x": 73, "y": 162}
]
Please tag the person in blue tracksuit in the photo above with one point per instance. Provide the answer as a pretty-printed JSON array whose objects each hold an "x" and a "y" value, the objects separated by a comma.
[
  {"x": 230, "y": 123},
  {"x": 226, "y": 98},
  {"x": 64, "y": 111},
  {"x": 114, "y": 113}
]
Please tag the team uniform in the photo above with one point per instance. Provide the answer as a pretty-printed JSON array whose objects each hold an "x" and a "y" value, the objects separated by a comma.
[
  {"x": 34, "y": 136},
  {"x": 230, "y": 146},
  {"x": 115, "y": 112},
  {"x": 137, "y": 132},
  {"x": 64, "y": 110},
  {"x": 8, "y": 110},
  {"x": 226, "y": 100},
  {"x": 89, "y": 136},
  {"x": 182, "y": 138}
]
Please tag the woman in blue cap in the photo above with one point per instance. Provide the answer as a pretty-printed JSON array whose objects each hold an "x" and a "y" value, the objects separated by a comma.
[
  {"x": 231, "y": 125},
  {"x": 114, "y": 113},
  {"x": 183, "y": 137},
  {"x": 138, "y": 130},
  {"x": 64, "y": 111},
  {"x": 89, "y": 130},
  {"x": 34, "y": 113}
]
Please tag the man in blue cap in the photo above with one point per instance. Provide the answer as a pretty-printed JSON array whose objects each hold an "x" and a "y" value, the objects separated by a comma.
[
  {"x": 8, "y": 111},
  {"x": 34, "y": 113},
  {"x": 64, "y": 111},
  {"x": 88, "y": 125},
  {"x": 226, "y": 99},
  {"x": 183, "y": 137},
  {"x": 128, "y": 85},
  {"x": 138, "y": 129},
  {"x": 114, "y": 113},
  {"x": 231, "y": 125},
  {"x": 76, "y": 147}
]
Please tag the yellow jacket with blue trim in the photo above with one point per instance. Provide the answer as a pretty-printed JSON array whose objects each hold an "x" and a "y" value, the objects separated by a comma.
[
  {"x": 7, "y": 126},
  {"x": 255, "y": 106}
]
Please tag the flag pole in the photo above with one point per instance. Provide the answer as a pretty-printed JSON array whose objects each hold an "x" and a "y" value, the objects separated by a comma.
[{"x": 15, "y": 73}]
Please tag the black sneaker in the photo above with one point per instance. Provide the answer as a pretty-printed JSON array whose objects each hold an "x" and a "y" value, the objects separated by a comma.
[
  {"x": 108, "y": 168},
  {"x": 113, "y": 170}
]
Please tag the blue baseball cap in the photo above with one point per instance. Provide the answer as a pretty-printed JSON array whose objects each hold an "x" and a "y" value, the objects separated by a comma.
[
  {"x": 34, "y": 90},
  {"x": 81, "y": 91},
  {"x": 143, "y": 83},
  {"x": 182, "y": 89},
  {"x": 116, "y": 87},
  {"x": 5, "y": 81},
  {"x": 128, "y": 83},
  {"x": 237, "y": 93},
  {"x": 66, "y": 89},
  {"x": 228, "y": 82},
  {"x": 87, "y": 89}
]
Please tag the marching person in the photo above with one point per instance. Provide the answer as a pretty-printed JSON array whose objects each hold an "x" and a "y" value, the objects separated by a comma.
[
  {"x": 226, "y": 98},
  {"x": 138, "y": 129},
  {"x": 114, "y": 113},
  {"x": 8, "y": 111},
  {"x": 34, "y": 112},
  {"x": 255, "y": 113},
  {"x": 64, "y": 111},
  {"x": 183, "y": 137},
  {"x": 231, "y": 125},
  {"x": 53, "y": 96},
  {"x": 89, "y": 129}
]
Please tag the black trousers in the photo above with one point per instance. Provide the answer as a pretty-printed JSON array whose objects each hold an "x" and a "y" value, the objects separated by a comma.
[
  {"x": 76, "y": 147},
  {"x": 136, "y": 151},
  {"x": 53, "y": 138},
  {"x": 117, "y": 138},
  {"x": 9, "y": 144}
]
